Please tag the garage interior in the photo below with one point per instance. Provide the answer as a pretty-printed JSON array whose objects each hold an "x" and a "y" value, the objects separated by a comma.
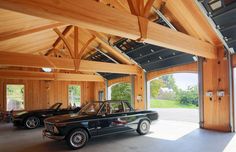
[{"x": 48, "y": 45}]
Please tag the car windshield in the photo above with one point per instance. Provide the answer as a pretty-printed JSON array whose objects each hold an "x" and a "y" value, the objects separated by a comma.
[
  {"x": 91, "y": 108},
  {"x": 55, "y": 106}
]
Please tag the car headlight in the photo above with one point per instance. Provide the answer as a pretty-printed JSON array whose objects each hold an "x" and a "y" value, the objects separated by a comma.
[{"x": 55, "y": 130}]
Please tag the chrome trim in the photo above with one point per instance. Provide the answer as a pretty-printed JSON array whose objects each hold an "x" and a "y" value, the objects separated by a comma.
[{"x": 49, "y": 135}]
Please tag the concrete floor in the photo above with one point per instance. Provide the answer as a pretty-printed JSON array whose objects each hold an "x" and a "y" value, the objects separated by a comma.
[
  {"x": 165, "y": 136},
  {"x": 178, "y": 114}
]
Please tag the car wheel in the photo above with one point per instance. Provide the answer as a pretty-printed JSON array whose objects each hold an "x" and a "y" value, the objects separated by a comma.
[
  {"x": 77, "y": 138},
  {"x": 143, "y": 127},
  {"x": 32, "y": 122}
]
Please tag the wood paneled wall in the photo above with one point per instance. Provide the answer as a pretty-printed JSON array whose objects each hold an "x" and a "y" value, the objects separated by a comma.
[
  {"x": 99, "y": 86},
  {"x": 139, "y": 90},
  {"x": 216, "y": 78},
  {"x": 42, "y": 94}
]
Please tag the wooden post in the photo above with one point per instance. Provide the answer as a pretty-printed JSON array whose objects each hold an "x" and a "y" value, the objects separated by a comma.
[
  {"x": 215, "y": 79},
  {"x": 139, "y": 90}
]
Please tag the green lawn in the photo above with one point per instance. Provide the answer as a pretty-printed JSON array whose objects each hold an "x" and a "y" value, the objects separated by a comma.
[{"x": 169, "y": 104}]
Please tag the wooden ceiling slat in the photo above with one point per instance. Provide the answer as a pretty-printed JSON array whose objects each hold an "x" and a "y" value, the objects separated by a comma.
[{"x": 109, "y": 20}]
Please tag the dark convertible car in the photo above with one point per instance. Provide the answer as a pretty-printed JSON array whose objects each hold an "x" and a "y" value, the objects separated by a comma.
[
  {"x": 33, "y": 119},
  {"x": 98, "y": 119}
]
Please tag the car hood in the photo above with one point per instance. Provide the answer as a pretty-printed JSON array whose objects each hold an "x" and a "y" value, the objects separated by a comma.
[
  {"x": 32, "y": 112},
  {"x": 68, "y": 118}
]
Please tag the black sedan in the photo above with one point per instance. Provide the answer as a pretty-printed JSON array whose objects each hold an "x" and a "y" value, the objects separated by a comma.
[
  {"x": 98, "y": 119},
  {"x": 33, "y": 119}
]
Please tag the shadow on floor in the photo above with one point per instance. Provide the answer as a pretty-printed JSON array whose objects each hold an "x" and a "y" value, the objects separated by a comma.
[{"x": 197, "y": 140}]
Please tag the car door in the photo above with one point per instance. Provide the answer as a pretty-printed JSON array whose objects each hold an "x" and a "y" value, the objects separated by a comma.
[
  {"x": 130, "y": 117},
  {"x": 113, "y": 120}
]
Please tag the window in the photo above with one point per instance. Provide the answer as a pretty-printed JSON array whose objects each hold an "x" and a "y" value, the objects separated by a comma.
[
  {"x": 91, "y": 108},
  {"x": 100, "y": 95},
  {"x": 126, "y": 107},
  {"x": 15, "y": 97},
  {"x": 116, "y": 107},
  {"x": 74, "y": 95}
]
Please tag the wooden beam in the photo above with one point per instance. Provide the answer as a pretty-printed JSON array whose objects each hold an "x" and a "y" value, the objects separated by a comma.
[
  {"x": 109, "y": 20},
  {"x": 68, "y": 30},
  {"x": 133, "y": 7},
  {"x": 188, "y": 15},
  {"x": 76, "y": 41},
  {"x": 116, "y": 54},
  {"x": 37, "y": 61},
  {"x": 70, "y": 49},
  {"x": 186, "y": 68},
  {"x": 30, "y": 75},
  {"x": 85, "y": 46},
  {"x": 148, "y": 8},
  {"x": 14, "y": 34}
]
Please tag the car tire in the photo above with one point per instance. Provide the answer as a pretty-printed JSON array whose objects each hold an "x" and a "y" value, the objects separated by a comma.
[
  {"x": 77, "y": 138},
  {"x": 143, "y": 127},
  {"x": 32, "y": 122}
]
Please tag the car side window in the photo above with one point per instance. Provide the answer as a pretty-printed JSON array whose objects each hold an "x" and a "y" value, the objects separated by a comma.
[
  {"x": 126, "y": 107},
  {"x": 105, "y": 109},
  {"x": 116, "y": 107}
]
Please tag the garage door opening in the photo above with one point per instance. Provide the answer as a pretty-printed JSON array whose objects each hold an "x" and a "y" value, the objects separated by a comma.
[
  {"x": 175, "y": 97},
  {"x": 120, "y": 91}
]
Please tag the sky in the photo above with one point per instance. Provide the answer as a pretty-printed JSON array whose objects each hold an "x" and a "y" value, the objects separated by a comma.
[{"x": 183, "y": 80}]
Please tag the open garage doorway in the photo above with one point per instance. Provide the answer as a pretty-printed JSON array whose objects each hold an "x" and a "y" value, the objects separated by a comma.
[
  {"x": 175, "y": 97},
  {"x": 120, "y": 91}
]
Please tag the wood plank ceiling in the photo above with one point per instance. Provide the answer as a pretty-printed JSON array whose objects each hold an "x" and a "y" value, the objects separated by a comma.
[{"x": 23, "y": 33}]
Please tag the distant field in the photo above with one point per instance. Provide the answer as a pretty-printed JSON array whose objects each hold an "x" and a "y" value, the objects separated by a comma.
[{"x": 169, "y": 104}]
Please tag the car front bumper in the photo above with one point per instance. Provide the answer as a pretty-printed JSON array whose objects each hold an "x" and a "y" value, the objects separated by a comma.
[
  {"x": 18, "y": 122},
  {"x": 52, "y": 136}
]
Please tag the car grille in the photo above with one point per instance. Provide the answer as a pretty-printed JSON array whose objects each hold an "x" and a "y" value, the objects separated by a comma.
[{"x": 49, "y": 127}]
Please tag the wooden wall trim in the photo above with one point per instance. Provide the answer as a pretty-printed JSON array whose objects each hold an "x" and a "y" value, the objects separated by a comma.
[{"x": 187, "y": 68}]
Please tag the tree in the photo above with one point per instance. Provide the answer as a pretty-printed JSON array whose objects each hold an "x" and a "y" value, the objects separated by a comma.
[
  {"x": 155, "y": 86},
  {"x": 189, "y": 96},
  {"x": 169, "y": 82},
  {"x": 121, "y": 91}
]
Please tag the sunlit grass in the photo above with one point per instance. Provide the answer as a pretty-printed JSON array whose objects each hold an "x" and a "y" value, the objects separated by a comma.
[{"x": 156, "y": 103}]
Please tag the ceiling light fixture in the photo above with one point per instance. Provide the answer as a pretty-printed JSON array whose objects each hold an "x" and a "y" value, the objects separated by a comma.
[{"x": 47, "y": 69}]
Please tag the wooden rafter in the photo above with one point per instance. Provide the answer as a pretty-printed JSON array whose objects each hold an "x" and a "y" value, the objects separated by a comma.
[
  {"x": 37, "y": 61},
  {"x": 76, "y": 41},
  {"x": 147, "y": 8},
  {"x": 85, "y": 46},
  {"x": 119, "y": 56},
  {"x": 78, "y": 59},
  {"x": 68, "y": 30},
  {"x": 67, "y": 44},
  {"x": 14, "y": 34},
  {"x": 32, "y": 75},
  {"x": 133, "y": 7},
  {"x": 108, "y": 20}
]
